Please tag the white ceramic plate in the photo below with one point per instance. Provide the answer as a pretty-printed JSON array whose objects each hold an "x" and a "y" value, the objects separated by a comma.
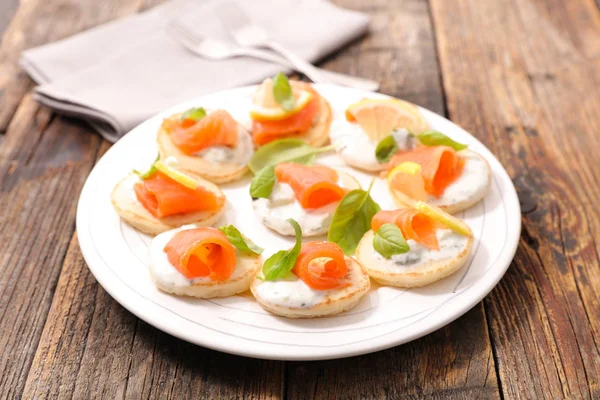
[{"x": 386, "y": 317}]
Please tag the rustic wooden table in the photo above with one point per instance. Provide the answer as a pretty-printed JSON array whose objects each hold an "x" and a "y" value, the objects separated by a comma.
[{"x": 523, "y": 76}]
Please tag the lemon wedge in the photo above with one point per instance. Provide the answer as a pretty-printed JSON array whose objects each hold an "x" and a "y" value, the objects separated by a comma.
[
  {"x": 177, "y": 176},
  {"x": 406, "y": 178},
  {"x": 409, "y": 167},
  {"x": 265, "y": 108},
  {"x": 451, "y": 222},
  {"x": 379, "y": 117}
]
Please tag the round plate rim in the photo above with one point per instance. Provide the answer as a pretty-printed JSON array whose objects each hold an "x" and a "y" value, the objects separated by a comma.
[{"x": 144, "y": 311}]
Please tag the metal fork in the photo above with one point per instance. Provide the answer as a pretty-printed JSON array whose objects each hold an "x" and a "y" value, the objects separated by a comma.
[
  {"x": 215, "y": 49},
  {"x": 249, "y": 35}
]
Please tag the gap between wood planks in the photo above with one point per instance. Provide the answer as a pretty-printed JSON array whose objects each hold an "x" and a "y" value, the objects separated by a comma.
[
  {"x": 531, "y": 67},
  {"x": 381, "y": 56}
]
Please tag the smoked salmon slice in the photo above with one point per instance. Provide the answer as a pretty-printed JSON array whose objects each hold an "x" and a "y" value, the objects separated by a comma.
[
  {"x": 321, "y": 265},
  {"x": 163, "y": 196},
  {"x": 314, "y": 186},
  {"x": 413, "y": 224},
  {"x": 264, "y": 132},
  {"x": 216, "y": 129},
  {"x": 440, "y": 166},
  {"x": 202, "y": 252}
]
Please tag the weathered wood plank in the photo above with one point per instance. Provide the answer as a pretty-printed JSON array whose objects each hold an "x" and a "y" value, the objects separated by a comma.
[
  {"x": 109, "y": 353},
  {"x": 44, "y": 161},
  {"x": 456, "y": 361},
  {"x": 448, "y": 363},
  {"x": 524, "y": 79},
  {"x": 93, "y": 347},
  {"x": 82, "y": 351},
  {"x": 43, "y": 165},
  {"x": 399, "y": 51}
]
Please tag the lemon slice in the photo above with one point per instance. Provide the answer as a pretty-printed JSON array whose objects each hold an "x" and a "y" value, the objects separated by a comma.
[
  {"x": 407, "y": 179},
  {"x": 265, "y": 108},
  {"x": 379, "y": 117},
  {"x": 408, "y": 167},
  {"x": 177, "y": 176},
  {"x": 451, "y": 222}
]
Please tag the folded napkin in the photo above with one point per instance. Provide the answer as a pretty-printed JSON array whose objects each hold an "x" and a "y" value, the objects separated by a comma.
[{"x": 119, "y": 74}]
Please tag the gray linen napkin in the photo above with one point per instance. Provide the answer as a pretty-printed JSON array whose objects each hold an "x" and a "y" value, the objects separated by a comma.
[{"x": 119, "y": 74}]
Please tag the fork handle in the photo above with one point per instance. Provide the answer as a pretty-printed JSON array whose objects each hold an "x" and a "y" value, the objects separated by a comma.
[
  {"x": 325, "y": 76},
  {"x": 299, "y": 64},
  {"x": 348, "y": 80}
]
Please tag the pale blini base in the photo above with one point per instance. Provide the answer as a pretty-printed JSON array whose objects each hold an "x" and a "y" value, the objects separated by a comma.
[
  {"x": 246, "y": 268},
  {"x": 420, "y": 274},
  {"x": 336, "y": 301},
  {"x": 217, "y": 173},
  {"x": 133, "y": 212}
]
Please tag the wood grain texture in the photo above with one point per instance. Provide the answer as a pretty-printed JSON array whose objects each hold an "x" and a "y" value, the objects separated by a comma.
[
  {"x": 448, "y": 363},
  {"x": 526, "y": 83},
  {"x": 44, "y": 162},
  {"x": 90, "y": 347},
  {"x": 399, "y": 52},
  {"x": 93, "y": 347},
  {"x": 111, "y": 354},
  {"x": 457, "y": 361},
  {"x": 522, "y": 75}
]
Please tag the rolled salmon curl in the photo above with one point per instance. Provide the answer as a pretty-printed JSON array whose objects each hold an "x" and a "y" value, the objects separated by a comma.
[
  {"x": 216, "y": 129},
  {"x": 163, "y": 197},
  {"x": 202, "y": 252},
  {"x": 322, "y": 266},
  {"x": 413, "y": 224},
  {"x": 314, "y": 186},
  {"x": 440, "y": 166}
]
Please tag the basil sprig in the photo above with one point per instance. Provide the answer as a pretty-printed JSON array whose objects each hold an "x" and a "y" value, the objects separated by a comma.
[
  {"x": 195, "y": 113},
  {"x": 285, "y": 150},
  {"x": 435, "y": 138},
  {"x": 352, "y": 218},
  {"x": 386, "y": 149},
  {"x": 282, "y": 92},
  {"x": 281, "y": 263},
  {"x": 149, "y": 172},
  {"x": 238, "y": 240},
  {"x": 262, "y": 183},
  {"x": 388, "y": 241},
  {"x": 265, "y": 159}
]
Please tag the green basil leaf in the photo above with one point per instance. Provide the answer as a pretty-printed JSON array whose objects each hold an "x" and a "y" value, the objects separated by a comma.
[
  {"x": 352, "y": 219},
  {"x": 285, "y": 150},
  {"x": 150, "y": 171},
  {"x": 281, "y": 263},
  {"x": 435, "y": 138},
  {"x": 386, "y": 149},
  {"x": 282, "y": 92},
  {"x": 195, "y": 113},
  {"x": 389, "y": 240},
  {"x": 262, "y": 183},
  {"x": 241, "y": 242},
  {"x": 272, "y": 265}
]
